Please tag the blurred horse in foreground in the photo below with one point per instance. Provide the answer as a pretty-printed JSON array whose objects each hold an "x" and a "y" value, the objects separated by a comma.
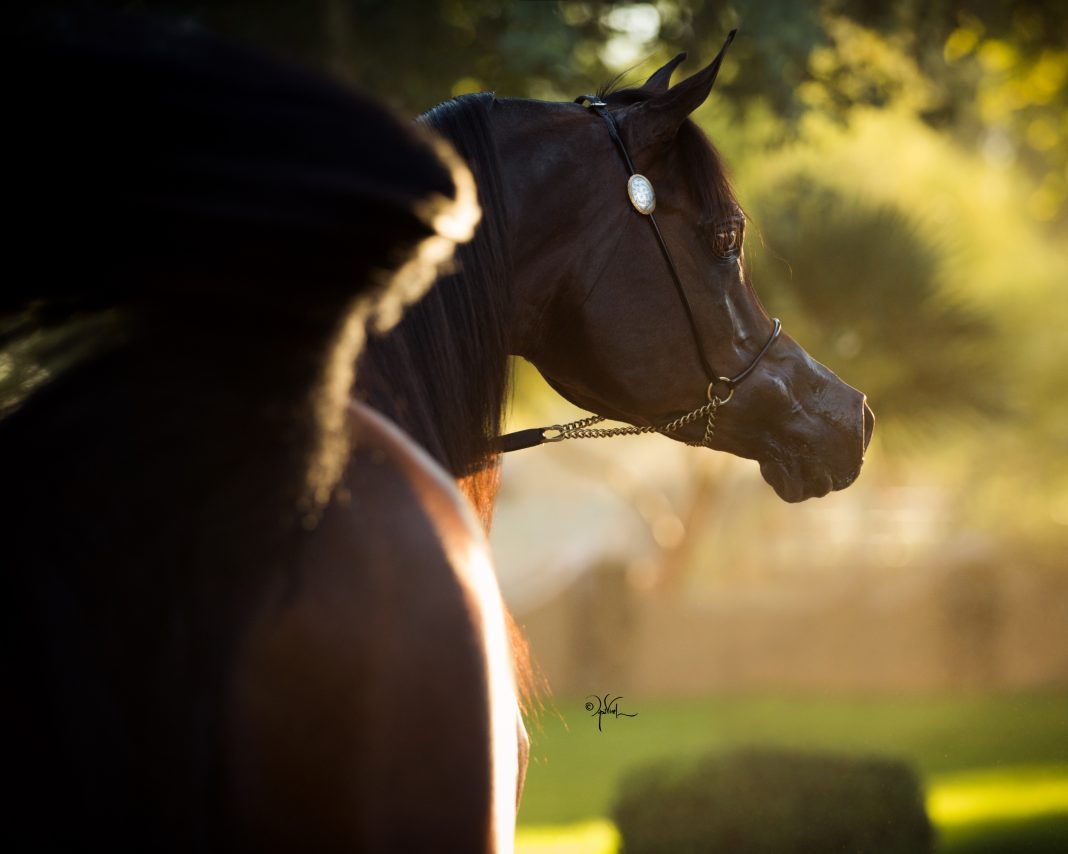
[{"x": 241, "y": 612}]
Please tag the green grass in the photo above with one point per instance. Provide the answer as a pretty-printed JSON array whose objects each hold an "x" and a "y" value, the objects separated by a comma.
[
  {"x": 574, "y": 768},
  {"x": 996, "y": 768}
]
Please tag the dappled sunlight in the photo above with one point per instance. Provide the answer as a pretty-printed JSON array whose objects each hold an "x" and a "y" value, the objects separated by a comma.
[
  {"x": 998, "y": 794},
  {"x": 585, "y": 837},
  {"x": 633, "y": 27}
]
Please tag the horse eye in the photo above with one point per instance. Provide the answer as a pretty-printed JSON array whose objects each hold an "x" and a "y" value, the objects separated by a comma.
[{"x": 728, "y": 241}]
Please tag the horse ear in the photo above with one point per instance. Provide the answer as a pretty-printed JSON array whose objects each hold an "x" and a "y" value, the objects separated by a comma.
[
  {"x": 656, "y": 121},
  {"x": 661, "y": 79}
]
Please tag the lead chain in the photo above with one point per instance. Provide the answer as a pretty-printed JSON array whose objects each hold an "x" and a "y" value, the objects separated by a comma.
[{"x": 584, "y": 429}]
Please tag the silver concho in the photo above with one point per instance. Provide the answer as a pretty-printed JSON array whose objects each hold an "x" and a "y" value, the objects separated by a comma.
[{"x": 641, "y": 194}]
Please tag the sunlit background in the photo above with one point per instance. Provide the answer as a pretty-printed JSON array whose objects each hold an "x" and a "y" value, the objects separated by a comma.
[{"x": 905, "y": 169}]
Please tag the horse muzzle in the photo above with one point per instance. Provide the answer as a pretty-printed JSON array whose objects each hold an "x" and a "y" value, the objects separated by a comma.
[{"x": 819, "y": 453}]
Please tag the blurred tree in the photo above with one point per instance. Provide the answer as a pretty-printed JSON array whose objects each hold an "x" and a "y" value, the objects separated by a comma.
[
  {"x": 994, "y": 73},
  {"x": 860, "y": 284}
]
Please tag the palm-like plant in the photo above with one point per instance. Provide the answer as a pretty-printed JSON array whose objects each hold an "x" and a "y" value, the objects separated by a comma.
[{"x": 862, "y": 285}]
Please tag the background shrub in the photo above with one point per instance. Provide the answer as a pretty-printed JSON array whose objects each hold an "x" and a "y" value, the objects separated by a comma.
[{"x": 773, "y": 801}]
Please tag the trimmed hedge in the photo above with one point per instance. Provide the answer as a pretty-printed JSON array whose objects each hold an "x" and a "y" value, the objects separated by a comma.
[{"x": 773, "y": 801}]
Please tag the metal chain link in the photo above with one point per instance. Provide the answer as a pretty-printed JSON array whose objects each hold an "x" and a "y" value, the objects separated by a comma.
[{"x": 583, "y": 428}]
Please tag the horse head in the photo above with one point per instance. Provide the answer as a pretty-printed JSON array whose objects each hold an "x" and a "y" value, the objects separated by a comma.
[{"x": 614, "y": 329}]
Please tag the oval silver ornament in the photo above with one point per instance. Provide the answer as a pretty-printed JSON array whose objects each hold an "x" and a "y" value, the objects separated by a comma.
[{"x": 640, "y": 190}]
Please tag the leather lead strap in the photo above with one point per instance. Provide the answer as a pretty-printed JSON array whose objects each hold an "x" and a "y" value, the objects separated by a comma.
[{"x": 521, "y": 439}]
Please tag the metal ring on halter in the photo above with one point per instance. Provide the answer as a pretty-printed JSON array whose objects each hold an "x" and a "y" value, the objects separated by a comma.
[
  {"x": 557, "y": 438},
  {"x": 716, "y": 398}
]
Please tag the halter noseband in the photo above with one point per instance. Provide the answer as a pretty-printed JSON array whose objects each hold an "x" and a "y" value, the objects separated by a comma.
[{"x": 643, "y": 199}]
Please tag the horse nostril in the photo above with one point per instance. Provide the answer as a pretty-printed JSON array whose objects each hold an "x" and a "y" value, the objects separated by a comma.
[{"x": 869, "y": 424}]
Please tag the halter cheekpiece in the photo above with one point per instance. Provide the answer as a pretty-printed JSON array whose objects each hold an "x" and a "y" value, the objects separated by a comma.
[{"x": 643, "y": 199}]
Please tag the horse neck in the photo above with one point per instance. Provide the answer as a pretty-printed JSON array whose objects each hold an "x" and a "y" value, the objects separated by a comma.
[{"x": 442, "y": 373}]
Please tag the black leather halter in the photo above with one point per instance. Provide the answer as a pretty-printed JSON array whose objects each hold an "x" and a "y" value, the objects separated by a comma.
[{"x": 580, "y": 429}]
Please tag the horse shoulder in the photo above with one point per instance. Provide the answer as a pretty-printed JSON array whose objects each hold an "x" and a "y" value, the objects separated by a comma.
[{"x": 373, "y": 705}]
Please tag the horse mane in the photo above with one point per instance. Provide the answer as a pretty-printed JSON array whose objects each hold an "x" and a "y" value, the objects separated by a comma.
[{"x": 442, "y": 373}]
